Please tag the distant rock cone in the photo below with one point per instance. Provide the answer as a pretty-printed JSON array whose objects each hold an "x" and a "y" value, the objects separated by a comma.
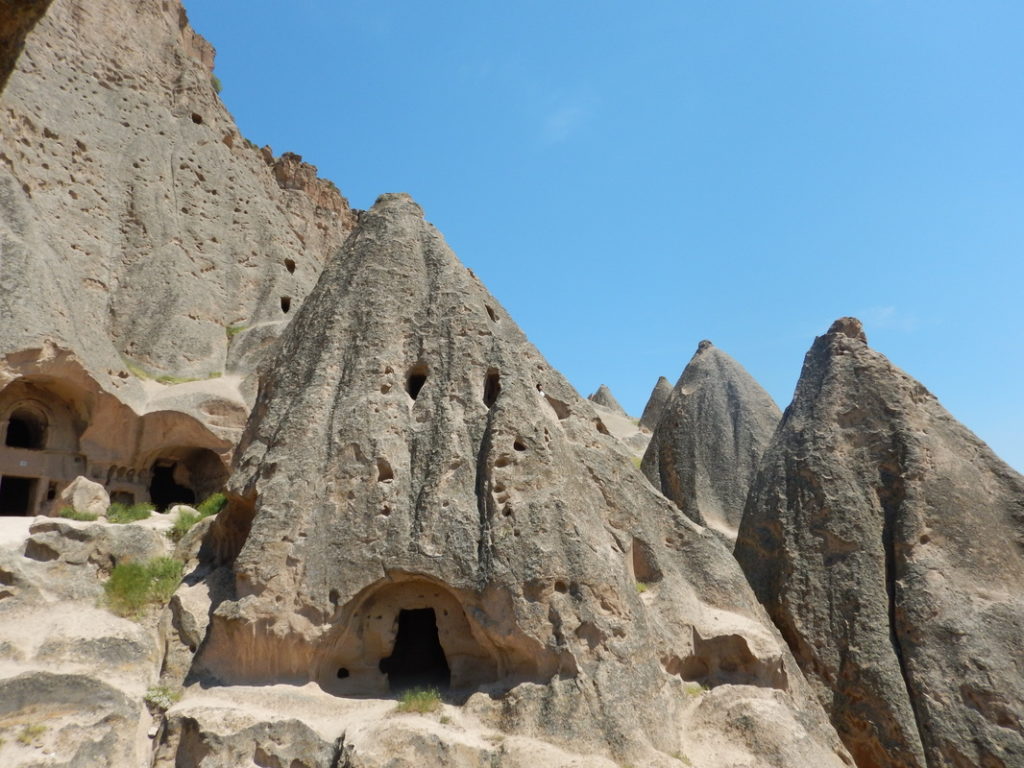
[
  {"x": 706, "y": 446},
  {"x": 420, "y": 499},
  {"x": 656, "y": 403},
  {"x": 885, "y": 540},
  {"x": 603, "y": 396}
]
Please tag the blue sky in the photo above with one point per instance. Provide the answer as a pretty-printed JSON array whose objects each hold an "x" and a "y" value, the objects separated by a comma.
[{"x": 629, "y": 179}]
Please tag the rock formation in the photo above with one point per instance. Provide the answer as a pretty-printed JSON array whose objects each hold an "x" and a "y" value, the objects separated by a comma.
[
  {"x": 656, "y": 404},
  {"x": 603, "y": 396},
  {"x": 415, "y": 475},
  {"x": 706, "y": 446},
  {"x": 885, "y": 540},
  {"x": 151, "y": 255}
]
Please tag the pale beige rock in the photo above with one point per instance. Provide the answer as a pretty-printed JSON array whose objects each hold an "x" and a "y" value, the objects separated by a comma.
[{"x": 83, "y": 495}]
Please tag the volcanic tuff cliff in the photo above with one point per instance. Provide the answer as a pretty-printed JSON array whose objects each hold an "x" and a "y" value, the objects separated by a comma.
[
  {"x": 709, "y": 439},
  {"x": 886, "y": 542},
  {"x": 412, "y": 453}
]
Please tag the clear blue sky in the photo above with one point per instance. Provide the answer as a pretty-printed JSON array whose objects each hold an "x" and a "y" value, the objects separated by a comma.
[{"x": 630, "y": 178}]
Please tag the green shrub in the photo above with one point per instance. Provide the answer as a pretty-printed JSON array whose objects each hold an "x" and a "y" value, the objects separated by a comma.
[
  {"x": 133, "y": 586},
  {"x": 420, "y": 700},
  {"x": 637, "y": 461},
  {"x": 641, "y": 587},
  {"x": 162, "y": 697},
  {"x": 71, "y": 513},
  {"x": 234, "y": 330},
  {"x": 187, "y": 518},
  {"x": 212, "y": 504},
  {"x": 124, "y": 513},
  {"x": 30, "y": 733},
  {"x": 216, "y": 83}
]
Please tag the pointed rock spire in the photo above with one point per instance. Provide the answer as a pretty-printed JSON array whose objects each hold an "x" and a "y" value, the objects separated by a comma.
[
  {"x": 415, "y": 474},
  {"x": 603, "y": 396},
  {"x": 656, "y": 403},
  {"x": 706, "y": 446},
  {"x": 885, "y": 539}
]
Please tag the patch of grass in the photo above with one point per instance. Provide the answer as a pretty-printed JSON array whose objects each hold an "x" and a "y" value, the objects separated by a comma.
[
  {"x": 234, "y": 330},
  {"x": 135, "y": 370},
  {"x": 172, "y": 380},
  {"x": 133, "y": 586},
  {"x": 162, "y": 697},
  {"x": 694, "y": 689},
  {"x": 30, "y": 733},
  {"x": 70, "y": 513},
  {"x": 124, "y": 513},
  {"x": 637, "y": 461},
  {"x": 641, "y": 587},
  {"x": 682, "y": 758},
  {"x": 420, "y": 700},
  {"x": 187, "y": 518},
  {"x": 216, "y": 83}
]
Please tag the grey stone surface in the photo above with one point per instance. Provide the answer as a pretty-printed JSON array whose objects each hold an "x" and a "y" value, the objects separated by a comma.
[
  {"x": 409, "y": 449},
  {"x": 83, "y": 495},
  {"x": 885, "y": 540},
  {"x": 603, "y": 396},
  {"x": 656, "y": 404},
  {"x": 706, "y": 446}
]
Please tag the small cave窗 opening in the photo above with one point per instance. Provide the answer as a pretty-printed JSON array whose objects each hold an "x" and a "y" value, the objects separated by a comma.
[
  {"x": 342, "y": 673},
  {"x": 415, "y": 379},
  {"x": 418, "y": 658},
  {"x": 289, "y": 264},
  {"x": 490, "y": 313},
  {"x": 165, "y": 491},
  {"x": 197, "y": 118},
  {"x": 26, "y": 429},
  {"x": 492, "y": 386},
  {"x": 286, "y": 304},
  {"x": 385, "y": 473},
  {"x": 16, "y": 496},
  {"x": 519, "y": 444}
]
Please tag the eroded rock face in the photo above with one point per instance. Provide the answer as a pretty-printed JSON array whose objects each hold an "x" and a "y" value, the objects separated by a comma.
[
  {"x": 603, "y": 396},
  {"x": 885, "y": 540},
  {"x": 656, "y": 404},
  {"x": 138, "y": 224},
  {"x": 707, "y": 443},
  {"x": 415, "y": 474}
]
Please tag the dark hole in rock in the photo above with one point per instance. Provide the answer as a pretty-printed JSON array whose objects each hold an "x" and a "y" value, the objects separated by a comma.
[
  {"x": 519, "y": 445},
  {"x": 491, "y": 314},
  {"x": 286, "y": 304},
  {"x": 645, "y": 567},
  {"x": 333, "y": 596},
  {"x": 561, "y": 586},
  {"x": 26, "y": 430},
  {"x": 16, "y": 496},
  {"x": 51, "y": 492},
  {"x": 492, "y": 386},
  {"x": 164, "y": 491},
  {"x": 601, "y": 427},
  {"x": 197, "y": 118},
  {"x": 342, "y": 673},
  {"x": 385, "y": 511},
  {"x": 415, "y": 379},
  {"x": 561, "y": 409},
  {"x": 418, "y": 658},
  {"x": 289, "y": 264},
  {"x": 384, "y": 471}
]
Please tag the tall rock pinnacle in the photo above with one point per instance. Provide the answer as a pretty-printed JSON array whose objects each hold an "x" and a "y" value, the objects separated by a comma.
[
  {"x": 711, "y": 434},
  {"x": 656, "y": 403},
  {"x": 414, "y": 474},
  {"x": 885, "y": 540}
]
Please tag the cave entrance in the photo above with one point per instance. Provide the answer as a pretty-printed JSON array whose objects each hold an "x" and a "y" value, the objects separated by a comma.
[
  {"x": 26, "y": 429},
  {"x": 418, "y": 658},
  {"x": 16, "y": 496},
  {"x": 165, "y": 491}
]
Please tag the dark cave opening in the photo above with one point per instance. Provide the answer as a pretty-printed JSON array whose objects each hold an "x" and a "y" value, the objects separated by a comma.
[
  {"x": 164, "y": 492},
  {"x": 418, "y": 658},
  {"x": 16, "y": 495}
]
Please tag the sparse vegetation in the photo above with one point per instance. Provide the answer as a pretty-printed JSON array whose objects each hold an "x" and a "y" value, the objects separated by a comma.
[
  {"x": 682, "y": 758},
  {"x": 30, "y": 733},
  {"x": 694, "y": 689},
  {"x": 187, "y": 518},
  {"x": 162, "y": 697},
  {"x": 641, "y": 587},
  {"x": 125, "y": 513},
  {"x": 171, "y": 380},
  {"x": 420, "y": 700},
  {"x": 637, "y": 461},
  {"x": 216, "y": 83},
  {"x": 234, "y": 330},
  {"x": 133, "y": 586},
  {"x": 70, "y": 513}
]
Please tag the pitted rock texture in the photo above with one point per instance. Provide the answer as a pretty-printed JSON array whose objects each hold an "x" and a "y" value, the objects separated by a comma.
[
  {"x": 706, "y": 446},
  {"x": 603, "y": 396},
  {"x": 414, "y": 469},
  {"x": 139, "y": 229},
  {"x": 656, "y": 403},
  {"x": 885, "y": 540}
]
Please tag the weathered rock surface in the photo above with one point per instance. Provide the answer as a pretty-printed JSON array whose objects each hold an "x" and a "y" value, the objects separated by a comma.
[
  {"x": 141, "y": 233},
  {"x": 603, "y": 396},
  {"x": 414, "y": 473},
  {"x": 706, "y": 446},
  {"x": 83, "y": 495},
  {"x": 17, "y": 17},
  {"x": 885, "y": 540},
  {"x": 656, "y": 403}
]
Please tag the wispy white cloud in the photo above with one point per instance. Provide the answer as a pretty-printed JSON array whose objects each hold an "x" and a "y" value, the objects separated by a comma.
[{"x": 890, "y": 318}]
